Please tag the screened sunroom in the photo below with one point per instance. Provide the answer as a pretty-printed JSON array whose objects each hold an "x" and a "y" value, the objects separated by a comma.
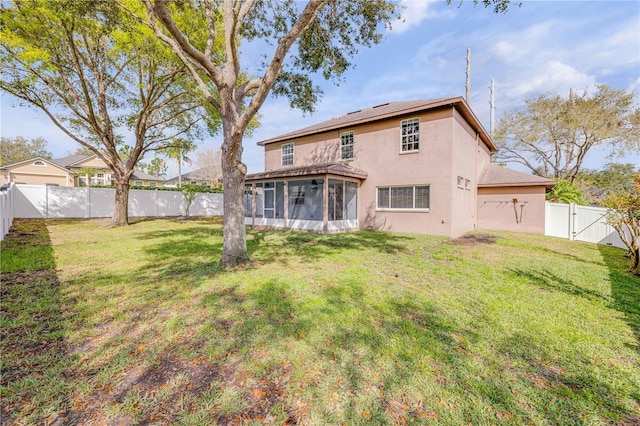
[{"x": 321, "y": 198}]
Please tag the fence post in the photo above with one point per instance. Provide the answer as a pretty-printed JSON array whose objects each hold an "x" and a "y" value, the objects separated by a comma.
[
  {"x": 88, "y": 206},
  {"x": 155, "y": 202},
  {"x": 46, "y": 201},
  {"x": 572, "y": 221}
]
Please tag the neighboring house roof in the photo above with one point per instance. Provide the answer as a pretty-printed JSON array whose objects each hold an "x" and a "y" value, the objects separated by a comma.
[
  {"x": 31, "y": 160},
  {"x": 197, "y": 174},
  {"x": 389, "y": 110},
  {"x": 72, "y": 160},
  {"x": 137, "y": 174},
  {"x": 339, "y": 169},
  {"x": 495, "y": 175}
]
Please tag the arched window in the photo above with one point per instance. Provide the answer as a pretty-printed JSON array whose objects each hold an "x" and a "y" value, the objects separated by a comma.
[{"x": 39, "y": 163}]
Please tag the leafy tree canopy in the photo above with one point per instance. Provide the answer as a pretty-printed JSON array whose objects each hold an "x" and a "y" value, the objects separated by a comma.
[
  {"x": 553, "y": 135},
  {"x": 566, "y": 192},
  {"x": 597, "y": 185},
  {"x": 100, "y": 76},
  {"x": 13, "y": 150},
  {"x": 624, "y": 216}
]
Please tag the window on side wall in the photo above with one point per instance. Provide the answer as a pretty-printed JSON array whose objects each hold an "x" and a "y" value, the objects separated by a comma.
[
  {"x": 152, "y": 184},
  {"x": 346, "y": 146},
  {"x": 403, "y": 197},
  {"x": 410, "y": 135},
  {"x": 139, "y": 183},
  {"x": 287, "y": 154}
]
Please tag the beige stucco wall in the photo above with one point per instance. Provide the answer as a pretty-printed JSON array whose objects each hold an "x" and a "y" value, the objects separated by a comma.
[
  {"x": 91, "y": 162},
  {"x": 496, "y": 209},
  {"x": 37, "y": 175},
  {"x": 448, "y": 148}
]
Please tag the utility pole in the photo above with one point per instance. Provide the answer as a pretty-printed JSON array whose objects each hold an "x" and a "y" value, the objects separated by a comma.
[
  {"x": 468, "y": 85},
  {"x": 492, "y": 110}
]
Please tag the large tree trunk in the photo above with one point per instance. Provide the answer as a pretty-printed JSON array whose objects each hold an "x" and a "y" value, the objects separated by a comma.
[
  {"x": 121, "y": 206},
  {"x": 234, "y": 249},
  {"x": 635, "y": 262}
]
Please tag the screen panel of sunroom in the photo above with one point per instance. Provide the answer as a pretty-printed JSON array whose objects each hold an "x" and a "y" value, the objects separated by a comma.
[
  {"x": 305, "y": 199},
  {"x": 342, "y": 200}
]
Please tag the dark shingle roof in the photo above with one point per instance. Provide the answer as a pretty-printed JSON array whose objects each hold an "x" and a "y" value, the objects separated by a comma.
[
  {"x": 137, "y": 174},
  {"x": 495, "y": 175},
  {"x": 387, "y": 110},
  {"x": 197, "y": 174},
  {"x": 71, "y": 159},
  {"x": 338, "y": 169}
]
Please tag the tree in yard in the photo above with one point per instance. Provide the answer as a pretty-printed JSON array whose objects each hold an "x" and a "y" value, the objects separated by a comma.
[
  {"x": 83, "y": 150},
  {"x": 99, "y": 75},
  {"x": 179, "y": 151},
  {"x": 209, "y": 161},
  {"x": 88, "y": 173},
  {"x": 157, "y": 167},
  {"x": 554, "y": 134},
  {"x": 14, "y": 150},
  {"x": 189, "y": 191},
  {"x": 300, "y": 40},
  {"x": 624, "y": 216},
  {"x": 613, "y": 178},
  {"x": 566, "y": 192}
]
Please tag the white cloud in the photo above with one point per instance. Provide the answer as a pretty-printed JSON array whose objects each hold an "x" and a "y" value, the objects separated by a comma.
[
  {"x": 415, "y": 12},
  {"x": 551, "y": 76}
]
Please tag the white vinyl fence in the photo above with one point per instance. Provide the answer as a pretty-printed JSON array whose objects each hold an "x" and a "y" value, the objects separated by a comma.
[
  {"x": 6, "y": 210},
  {"x": 580, "y": 223},
  {"x": 42, "y": 201}
]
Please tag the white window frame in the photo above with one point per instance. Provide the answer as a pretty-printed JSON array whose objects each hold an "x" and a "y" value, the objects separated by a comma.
[
  {"x": 403, "y": 209},
  {"x": 153, "y": 184},
  {"x": 346, "y": 141},
  {"x": 287, "y": 154},
  {"x": 39, "y": 163},
  {"x": 404, "y": 143},
  {"x": 138, "y": 183}
]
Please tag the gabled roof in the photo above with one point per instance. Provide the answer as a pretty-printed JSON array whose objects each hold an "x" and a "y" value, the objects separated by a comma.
[
  {"x": 495, "y": 175},
  {"x": 72, "y": 160},
  {"x": 31, "y": 160},
  {"x": 338, "y": 169},
  {"x": 197, "y": 174},
  {"x": 137, "y": 174},
  {"x": 389, "y": 110}
]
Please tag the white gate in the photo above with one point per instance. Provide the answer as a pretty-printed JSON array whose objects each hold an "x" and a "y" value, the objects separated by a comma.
[{"x": 580, "y": 223}]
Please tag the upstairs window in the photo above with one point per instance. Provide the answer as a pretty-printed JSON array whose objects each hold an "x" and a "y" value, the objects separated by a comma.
[
  {"x": 346, "y": 146},
  {"x": 410, "y": 135},
  {"x": 287, "y": 154}
]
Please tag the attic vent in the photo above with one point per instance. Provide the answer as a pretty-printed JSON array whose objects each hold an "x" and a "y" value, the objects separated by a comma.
[
  {"x": 353, "y": 112},
  {"x": 381, "y": 105}
]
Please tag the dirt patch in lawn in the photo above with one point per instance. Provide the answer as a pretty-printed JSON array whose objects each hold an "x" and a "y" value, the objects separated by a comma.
[{"x": 474, "y": 239}]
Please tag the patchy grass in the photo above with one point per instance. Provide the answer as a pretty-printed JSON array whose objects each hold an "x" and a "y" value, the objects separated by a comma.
[{"x": 139, "y": 325}]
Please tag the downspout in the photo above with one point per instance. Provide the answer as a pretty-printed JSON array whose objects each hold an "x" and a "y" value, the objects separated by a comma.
[{"x": 475, "y": 184}]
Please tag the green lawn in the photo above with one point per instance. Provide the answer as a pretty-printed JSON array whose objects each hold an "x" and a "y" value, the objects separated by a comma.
[{"x": 139, "y": 325}]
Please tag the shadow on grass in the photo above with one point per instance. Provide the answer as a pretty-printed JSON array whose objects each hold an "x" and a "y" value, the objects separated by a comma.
[
  {"x": 268, "y": 246},
  {"x": 549, "y": 281},
  {"x": 625, "y": 289},
  {"x": 33, "y": 326},
  {"x": 192, "y": 252}
]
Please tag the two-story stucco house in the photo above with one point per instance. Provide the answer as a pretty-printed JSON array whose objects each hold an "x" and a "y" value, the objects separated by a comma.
[
  {"x": 417, "y": 166},
  {"x": 68, "y": 171}
]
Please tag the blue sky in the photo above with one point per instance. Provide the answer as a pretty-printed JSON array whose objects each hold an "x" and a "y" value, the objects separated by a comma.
[{"x": 542, "y": 46}]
